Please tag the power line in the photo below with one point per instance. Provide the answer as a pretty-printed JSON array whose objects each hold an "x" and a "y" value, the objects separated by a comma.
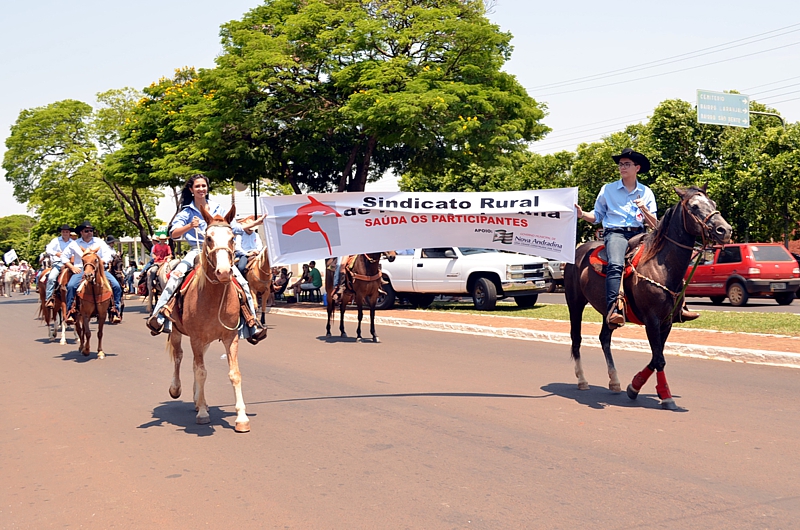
[
  {"x": 779, "y": 95},
  {"x": 584, "y": 131},
  {"x": 773, "y": 89},
  {"x": 773, "y": 83},
  {"x": 670, "y": 72},
  {"x": 668, "y": 60},
  {"x": 783, "y": 101},
  {"x": 603, "y": 121}
]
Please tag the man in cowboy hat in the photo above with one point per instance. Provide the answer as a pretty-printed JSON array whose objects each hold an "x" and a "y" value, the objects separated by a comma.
[
  {"x": 76, "y": 250},
  {"x": 158, "y": 255},
  {"x": 624, "y": 207},
  {"x": 55, "y": 249}
]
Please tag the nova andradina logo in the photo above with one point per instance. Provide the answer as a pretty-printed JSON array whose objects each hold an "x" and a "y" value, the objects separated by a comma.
[
  {"x": 304, "y": 222},
  {"x": 503, "y": 236}
]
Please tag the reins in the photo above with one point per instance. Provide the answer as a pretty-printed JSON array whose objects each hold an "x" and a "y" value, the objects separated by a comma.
[{"x": 207, "y": 253}]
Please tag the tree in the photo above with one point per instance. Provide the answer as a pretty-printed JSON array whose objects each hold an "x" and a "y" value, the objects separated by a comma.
[{"x": 16, "y": 233}]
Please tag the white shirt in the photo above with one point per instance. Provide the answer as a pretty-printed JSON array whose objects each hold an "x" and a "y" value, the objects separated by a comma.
[
  {"x": 55, "y": 246},
  {"x": 249, "y": 242},
  {"x": 77, "y": 248}
]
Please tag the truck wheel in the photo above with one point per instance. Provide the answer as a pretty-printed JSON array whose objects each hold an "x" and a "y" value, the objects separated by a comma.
[
  {"x": 784, "y": 298},
  {"x": 527, "y": 301},
  {"x": 385, "y": 301},
  {"x": 737, "y": 294},
  {"x": 484, "y": 295},
  {"x": 422, "y": 301},
  {"x": 717, "y": 300}
]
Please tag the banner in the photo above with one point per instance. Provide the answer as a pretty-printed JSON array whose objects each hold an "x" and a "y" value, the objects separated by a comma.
[
  {"x": 10, "y": 256},
  {"x": 300, "y": 228}
]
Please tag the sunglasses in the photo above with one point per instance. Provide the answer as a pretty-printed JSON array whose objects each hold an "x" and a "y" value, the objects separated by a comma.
[{"x": 88, "y": 230}]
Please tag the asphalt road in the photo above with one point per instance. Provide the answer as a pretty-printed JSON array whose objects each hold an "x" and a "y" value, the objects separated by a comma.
[
  {"x": 758, "y": 305},
  {"x": 425, "y": 430}
]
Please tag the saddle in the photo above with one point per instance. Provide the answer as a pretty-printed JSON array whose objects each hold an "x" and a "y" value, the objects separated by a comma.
[
  {"x": 599, "y": 260},
  {"x": 173, "y": 310}
]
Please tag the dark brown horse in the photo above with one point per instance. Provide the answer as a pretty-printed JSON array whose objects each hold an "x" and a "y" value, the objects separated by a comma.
[
  {"x": 362, "y": 282},
  {"x": 95, "y": 298},
  {"x": 56, "y": 316},
  {"x": 210, "y": 313},
  {"x": 652, "y": 290}
]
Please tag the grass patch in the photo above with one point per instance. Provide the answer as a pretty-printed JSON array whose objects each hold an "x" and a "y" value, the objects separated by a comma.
[{"x": 740, "y": 322}]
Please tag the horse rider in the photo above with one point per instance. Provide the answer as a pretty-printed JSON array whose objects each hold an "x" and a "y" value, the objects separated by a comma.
[
  {"x": 160, "y": 253},
  {"x": 75, "y": 250},
  {"x": 54, "y": 250},
  {"x": 248, "y": 244},
  {"x": 339, "y": 275},
  {"x": 190, "y": 225},
  {"x": 624, "y": 207}
]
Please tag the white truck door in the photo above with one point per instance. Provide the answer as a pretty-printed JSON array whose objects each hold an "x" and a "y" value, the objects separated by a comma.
[{"x": 437, "y": 270}]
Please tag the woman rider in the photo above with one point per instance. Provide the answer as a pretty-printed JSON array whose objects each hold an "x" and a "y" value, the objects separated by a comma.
[{"x": 190, "y": 225}]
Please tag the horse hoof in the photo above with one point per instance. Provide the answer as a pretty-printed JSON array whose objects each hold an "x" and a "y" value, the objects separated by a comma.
[
  {"x": 85, "y": 353},
  {"x": 202, "y": 420},
  {"x": 633, "y": 394},
  {"x": 669, "y": 404},
  {"x": 358, "y": 339},
  {"x": 101, "y": 355},
  {"x": 174, "y": 394},
  {"x": 375, "y": 339},
  {"x": 583, "y": 386},
  {"x": 615, "y": 387},
  {"x": 242, "y": 426},
  {"x": 328, "y": 334}
]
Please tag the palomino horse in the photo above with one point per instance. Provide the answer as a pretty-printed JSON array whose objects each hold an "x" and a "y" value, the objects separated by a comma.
[
  {"x": 259, "y": 277},
  {"x": 210, "y": 313},
  {"x": 95, "y": 298},
  {"x": 363, "y": 282},
  {"x": 652, "y": 290},
  {"x": 156, "y": 280},
  {"x": 55, "y": 316}
]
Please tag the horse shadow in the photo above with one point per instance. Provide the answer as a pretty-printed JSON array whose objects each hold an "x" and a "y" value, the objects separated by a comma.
[
  {"x": 598, "y": 397},
  {"x": 349, "y": 338},
  {"x": 77, "y": 357},
  {"x": 182, "y": 414}
]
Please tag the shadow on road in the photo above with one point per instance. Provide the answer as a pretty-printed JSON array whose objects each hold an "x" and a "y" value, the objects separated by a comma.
[
  {"x": 407, "y": 395},
  {"x": 78, "y": 357},
  {"x": 182, "y": 414},
  {"x": 598, "y": 397}
]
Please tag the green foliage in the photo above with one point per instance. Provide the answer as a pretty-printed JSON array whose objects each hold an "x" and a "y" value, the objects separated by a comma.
[{"x": 16, "y": 231}]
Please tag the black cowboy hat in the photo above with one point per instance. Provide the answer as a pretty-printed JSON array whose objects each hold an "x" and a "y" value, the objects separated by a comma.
[
  {"x": 85, "y": 224},
  {"x": 111, "y": 239},
  {"x": 637, "y": 158},
  {"x": 66, "y": 227}
]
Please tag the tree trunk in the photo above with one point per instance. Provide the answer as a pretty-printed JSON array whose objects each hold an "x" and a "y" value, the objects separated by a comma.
[{"x": 360, "y": 182}]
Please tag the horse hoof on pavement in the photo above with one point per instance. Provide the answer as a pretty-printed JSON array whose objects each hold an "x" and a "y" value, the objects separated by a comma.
[
  {"x": 375, "y": 339},
  {"x": 174, "y": 394},
  {"x": 242, "y": 426},
  {"x": 328, "y": 334},
  {"x": 615, "y": 387},
  {"x": 101, "y": 355},
  {"x": 633, "y": 394},
  {"x": 669, "y": 404},
  {"x": 85, "y": 353},
  {"x": 202, "y": 420},
  {"x": 358, "y": 339},
  {"x": 583, "y": 386}
]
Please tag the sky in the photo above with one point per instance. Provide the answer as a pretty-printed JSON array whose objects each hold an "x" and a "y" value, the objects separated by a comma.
[{"x": 597, "y": 66}]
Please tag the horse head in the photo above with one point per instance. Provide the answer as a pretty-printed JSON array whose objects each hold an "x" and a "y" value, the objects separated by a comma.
[
  {"x": 218, "y": 245},
  {"x": 701, "y": 217},
  {"x": 91, "y": 265},
  {"x": 390, "y": 255}
]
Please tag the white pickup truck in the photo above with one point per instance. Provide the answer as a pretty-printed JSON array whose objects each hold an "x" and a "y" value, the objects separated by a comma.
[{"x": 486, "y": 274}]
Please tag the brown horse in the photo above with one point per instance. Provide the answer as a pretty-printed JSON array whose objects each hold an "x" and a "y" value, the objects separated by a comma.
[
  {"x": 95, "y": 299},
  {"x": 259, "y": 277},
  {"x": 57, "y": 315},
  {"x": 652, "y": 290},
  {"x": 210, "y": 313},
  {"x": 363, "y": 282}
]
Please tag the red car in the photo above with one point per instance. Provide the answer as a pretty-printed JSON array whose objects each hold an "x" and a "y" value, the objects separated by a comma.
[{"x": 740, "y": 271}]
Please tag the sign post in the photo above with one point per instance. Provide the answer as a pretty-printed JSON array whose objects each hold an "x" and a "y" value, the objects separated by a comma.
[{"x": 721, "y": 108}]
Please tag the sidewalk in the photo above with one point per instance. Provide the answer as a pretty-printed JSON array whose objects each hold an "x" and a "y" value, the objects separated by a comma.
[{"x": 776, "y": 350}]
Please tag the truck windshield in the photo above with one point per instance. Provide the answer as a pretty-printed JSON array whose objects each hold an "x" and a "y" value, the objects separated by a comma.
[
  {"x": 467, "y": 251},
  {"x": 770, "y": 253}
]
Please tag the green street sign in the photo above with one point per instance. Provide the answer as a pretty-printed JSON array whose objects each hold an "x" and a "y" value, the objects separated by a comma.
[{"x": 720, "y": 108}]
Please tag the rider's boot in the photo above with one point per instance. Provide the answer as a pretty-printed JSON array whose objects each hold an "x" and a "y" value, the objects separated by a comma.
[
  {"x": 116, "y": 318},
  {"x": 258, "y": 333},
  {"x": 156, "y": 321},
  {"x": 51, "y": 303},
  {"x": 615, "y": 317},
  {"x": 687, "y": 315},
  {"x": 71, "y": 315}
]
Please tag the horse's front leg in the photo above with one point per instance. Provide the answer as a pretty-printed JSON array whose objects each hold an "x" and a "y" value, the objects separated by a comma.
[
  {"x": 87, "y": 335},
  {"x": 176, "y": 355},
  {"x": 101, "y": 320},
  {"x": 342, "y": 308},
  {"x": 575, "y": 321},
  {"x": 360, "y": 304},
  {"x": 200, "y": 374},
  {"x": 605, "y": 342},
  {"x": 232, "y": 347}
]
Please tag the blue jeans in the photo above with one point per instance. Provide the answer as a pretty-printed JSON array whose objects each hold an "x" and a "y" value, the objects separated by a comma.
[
  {"x": 52, "y": 278},
  {"x": 75, "y": 281},
  {"x": 616, "y": 246}
]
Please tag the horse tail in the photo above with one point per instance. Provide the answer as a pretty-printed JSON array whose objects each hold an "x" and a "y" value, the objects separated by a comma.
[{"x": 170, "y": 349}]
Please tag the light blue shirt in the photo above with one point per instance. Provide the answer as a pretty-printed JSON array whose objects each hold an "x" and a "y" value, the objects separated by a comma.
[
  {"x": 76, "y": 249},
  {"x": 614, "y": 206},
  {"x": 196, "y": 236}
]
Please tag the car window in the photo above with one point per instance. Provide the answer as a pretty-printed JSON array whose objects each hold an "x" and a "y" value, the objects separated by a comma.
[
  {"x": 439, "y": 252},
  {"x": 708, "y": 257},
  {"x": 405, "y": 252},
  {"x": 770, "y": 253},
  {"x": 730, "y": 255},
  {"x": 468, "y": 251}
]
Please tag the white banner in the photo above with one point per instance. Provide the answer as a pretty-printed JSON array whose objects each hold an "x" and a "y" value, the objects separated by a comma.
[
  {"x": 10, "y": 256},
  {"x": 300, "y": 228}
]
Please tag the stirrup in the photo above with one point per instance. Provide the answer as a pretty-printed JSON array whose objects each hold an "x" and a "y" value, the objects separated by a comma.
[
  {"x": 50, "y": 303},
  {"x": 258, "y": 336},
  {"x": 154, "y": 325}
]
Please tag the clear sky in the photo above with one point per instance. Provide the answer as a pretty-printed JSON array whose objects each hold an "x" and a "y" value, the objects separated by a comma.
[{"x": 629, "y": 55}]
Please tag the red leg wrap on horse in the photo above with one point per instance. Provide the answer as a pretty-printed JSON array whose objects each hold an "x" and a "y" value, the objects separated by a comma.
[
  {"x": 661, "y": 386},
  {"x": 641, "y": 378}
]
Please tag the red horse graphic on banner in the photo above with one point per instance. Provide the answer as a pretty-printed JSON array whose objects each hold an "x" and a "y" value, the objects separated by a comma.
[{"x": 304, "y": 221}]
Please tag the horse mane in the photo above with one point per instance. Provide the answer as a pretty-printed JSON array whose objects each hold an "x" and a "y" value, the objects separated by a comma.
[
  {"x": 655, "y": 241},
  {"x": 100, "y": 270}
]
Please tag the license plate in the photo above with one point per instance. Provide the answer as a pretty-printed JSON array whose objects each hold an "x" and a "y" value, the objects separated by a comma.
[
  {"x": 539, "y": 283},
  {"x": 777, "y": 286}
]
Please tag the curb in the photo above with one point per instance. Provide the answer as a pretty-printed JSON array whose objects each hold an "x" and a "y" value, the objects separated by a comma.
[{"x": 742, "y": 355}]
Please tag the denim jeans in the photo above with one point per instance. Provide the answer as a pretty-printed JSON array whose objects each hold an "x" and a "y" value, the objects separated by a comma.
[
  {"x": 75, "y": 281},
  {"x": 52, "y": 278},
  {"x": 616, "y": 246}
]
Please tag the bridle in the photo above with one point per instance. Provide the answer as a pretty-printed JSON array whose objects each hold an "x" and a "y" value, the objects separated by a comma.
[
  {"x": 705, "y": 228},
  {"x": 208, "y": 253}
]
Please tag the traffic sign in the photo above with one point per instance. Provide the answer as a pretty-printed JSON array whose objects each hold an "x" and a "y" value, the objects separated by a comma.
[{"x": 721, "y": 108}]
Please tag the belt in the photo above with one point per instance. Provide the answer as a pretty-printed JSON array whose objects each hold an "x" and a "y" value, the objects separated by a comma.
[{"x": 625, "y": 229}]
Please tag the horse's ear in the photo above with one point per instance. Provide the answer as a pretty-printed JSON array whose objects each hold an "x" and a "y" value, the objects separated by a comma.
[
  {"x": 231, "y": 214},
  {"x": 207, "y": 216},
  {"x": 681, "y": 192},
  {"x": 705, "y": 187}
]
